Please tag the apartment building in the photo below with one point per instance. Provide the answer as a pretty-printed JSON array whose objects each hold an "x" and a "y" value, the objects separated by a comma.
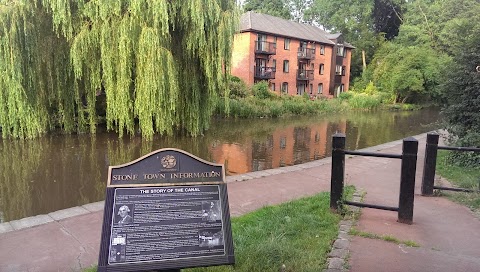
[{"x": 294, "y": 58}]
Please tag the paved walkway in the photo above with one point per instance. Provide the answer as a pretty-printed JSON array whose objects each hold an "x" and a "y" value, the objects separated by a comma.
[{"x": 448, "y": 234}]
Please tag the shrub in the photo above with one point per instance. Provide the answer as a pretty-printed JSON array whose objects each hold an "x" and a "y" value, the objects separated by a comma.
[
  {"x": 345, "y": 96},
  {"x": 237, "y": 87},
  {"x": 364, "y": 101},
  {"x": 465, "y": 159},
  {"x": 261, "y": 91}
]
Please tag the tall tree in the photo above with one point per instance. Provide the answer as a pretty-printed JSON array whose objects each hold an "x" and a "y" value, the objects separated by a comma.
[
  {"x": 364, "y": 23},
  {"x": 161, "y": 63},
  {"x": 461, "y": 86},
  {"x": 387, "y": 18},
  {"x": 278, "y": 8},
  {"x": 430, "y": 37},
  {"x": 298, "y": 8}
]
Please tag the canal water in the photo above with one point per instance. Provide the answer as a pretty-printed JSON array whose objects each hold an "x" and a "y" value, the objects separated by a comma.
[{"x": 62, "y": 171}]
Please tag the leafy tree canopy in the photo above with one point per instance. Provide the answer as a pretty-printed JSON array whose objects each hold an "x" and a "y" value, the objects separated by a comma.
[
  {"x": 278, "y": 8},
  {"x": 415, "y": 63},
  {"x": 364, "y": 23}
]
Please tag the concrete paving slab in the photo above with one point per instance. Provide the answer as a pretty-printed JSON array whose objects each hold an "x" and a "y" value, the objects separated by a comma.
[
  {"x": 66, "y": 213},
  {"x": 275, "y": 171},
  {"x": 258, "y": 174},
  {"x": 291, "y": 168},
  {"x": 5, "y": 227},
  {"x": 31, "y": 221},
  {"x": 94, "y": 207}
]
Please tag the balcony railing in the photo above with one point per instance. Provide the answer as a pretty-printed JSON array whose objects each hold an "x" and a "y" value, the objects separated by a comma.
[
  {"x": 306, "y": 53},
  {"x": 338, "y": 79},
  {"x": 304, "y": 74},
  {"x": 263, "y": 47},
  {"x": 264, "y": 72}
]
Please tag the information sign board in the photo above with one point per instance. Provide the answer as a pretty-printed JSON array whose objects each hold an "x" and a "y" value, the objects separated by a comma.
[{"x": 166, "y": 210}]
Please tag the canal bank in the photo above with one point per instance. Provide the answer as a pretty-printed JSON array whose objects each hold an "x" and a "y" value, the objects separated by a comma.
[{"x": 68, "y": 240}]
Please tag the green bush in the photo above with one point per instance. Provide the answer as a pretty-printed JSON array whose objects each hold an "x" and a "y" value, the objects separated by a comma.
[
  {"x": 345, "y": 96},
  {"x": 364, "y": 101},
  {"x": 238, "y": 88},
  {"x": 465, "y": 159},
  {"x": 261, "y": 91}
]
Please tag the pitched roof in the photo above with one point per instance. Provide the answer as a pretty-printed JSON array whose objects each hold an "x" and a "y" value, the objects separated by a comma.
[{"x": 252, "y": 21}]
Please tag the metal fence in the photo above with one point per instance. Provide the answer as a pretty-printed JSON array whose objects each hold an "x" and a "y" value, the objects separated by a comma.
[
  {"x": 430, "y": 165},
  {"x": 407, "y": 177}
]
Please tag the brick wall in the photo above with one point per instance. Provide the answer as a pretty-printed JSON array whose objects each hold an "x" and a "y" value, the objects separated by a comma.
[{"x": 243, "y": 63}]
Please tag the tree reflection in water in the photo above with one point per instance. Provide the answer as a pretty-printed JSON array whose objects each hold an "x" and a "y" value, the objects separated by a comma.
[{"x": 61, "y": 171}]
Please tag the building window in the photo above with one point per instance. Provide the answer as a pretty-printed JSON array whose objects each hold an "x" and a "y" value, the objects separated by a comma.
[
  {"x": 321, "y": 69},
  {"x": 341, "y": 51},
  {"x": 322, "y": 49},
  {"x": 286, "y": 45},
  {"x": 338, "y": 70},
  {"x": 313, "y": 66},
  {"x": 285, "y": 87},
  {"x": 274, "y": 64},
  {"x": 283, "y": 142},
  {"x": 320, "y": 88},
  {"x": 343, "y": 70},
  {"x": 275, "y": 41},
  {"x": 272, "y": 86},
  {"x": 311, "y": 88},
  {"x": 285, "y": 66}
]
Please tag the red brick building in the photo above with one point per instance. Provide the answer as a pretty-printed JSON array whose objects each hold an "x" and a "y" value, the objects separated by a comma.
[{"x": 294, "y": 58}]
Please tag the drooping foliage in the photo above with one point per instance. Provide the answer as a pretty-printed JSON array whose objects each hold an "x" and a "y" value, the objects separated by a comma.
[{"x": 160, "y": 63}]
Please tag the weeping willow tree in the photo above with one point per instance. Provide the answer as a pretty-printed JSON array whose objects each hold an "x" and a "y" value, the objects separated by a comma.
[{"x": 158, "y": 63}]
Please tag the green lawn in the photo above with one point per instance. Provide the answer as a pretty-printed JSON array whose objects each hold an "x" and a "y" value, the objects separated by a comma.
[
  {"x": 297, "y": 234},
  {"x": 461, "y": 177}
]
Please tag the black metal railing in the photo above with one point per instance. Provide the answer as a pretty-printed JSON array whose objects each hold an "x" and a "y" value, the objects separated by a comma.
[
  {"x": 263, "y": 47},
  {"x": 430, "y": 165},
  {"x": 306, "y": 53},
  {"x": 407, "y": 177},
  {"x": 305, "y": 74},
  {"x": 264, "y": 72}
]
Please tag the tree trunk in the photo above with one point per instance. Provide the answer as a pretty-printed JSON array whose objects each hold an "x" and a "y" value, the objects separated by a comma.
[{"x": 364, "y": 61}]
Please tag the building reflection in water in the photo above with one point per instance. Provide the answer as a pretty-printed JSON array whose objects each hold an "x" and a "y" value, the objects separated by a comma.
[{"x": 283, "y": 147}]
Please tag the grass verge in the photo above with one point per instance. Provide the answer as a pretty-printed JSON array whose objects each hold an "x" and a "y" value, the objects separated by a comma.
[
  {"x": 461, "y": 177},
  {"x": 293, "y": 236},
  {"x": 296, "y": 235}
]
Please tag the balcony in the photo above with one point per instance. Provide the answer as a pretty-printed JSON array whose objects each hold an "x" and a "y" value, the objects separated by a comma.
[
  {"x": 306, "y": 53},
  {"x": 264, "y": 72},
  {"x": 338, "y": 79},
  {"x": 267, "y": 48},
  {"x": 304, "y": 74}
]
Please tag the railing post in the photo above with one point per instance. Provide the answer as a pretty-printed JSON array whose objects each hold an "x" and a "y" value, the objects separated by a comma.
[
  {"x": 430, "y": 164},
  {"x": 407, "y": 180},
  {"x": 338, "y": 170}
]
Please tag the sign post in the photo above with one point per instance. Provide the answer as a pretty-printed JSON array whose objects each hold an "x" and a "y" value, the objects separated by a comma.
[{"x": 165, "y": 211}]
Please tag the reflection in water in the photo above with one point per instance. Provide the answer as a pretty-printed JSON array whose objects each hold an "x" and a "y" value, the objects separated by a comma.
[{"x": 61, "y": 171}]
